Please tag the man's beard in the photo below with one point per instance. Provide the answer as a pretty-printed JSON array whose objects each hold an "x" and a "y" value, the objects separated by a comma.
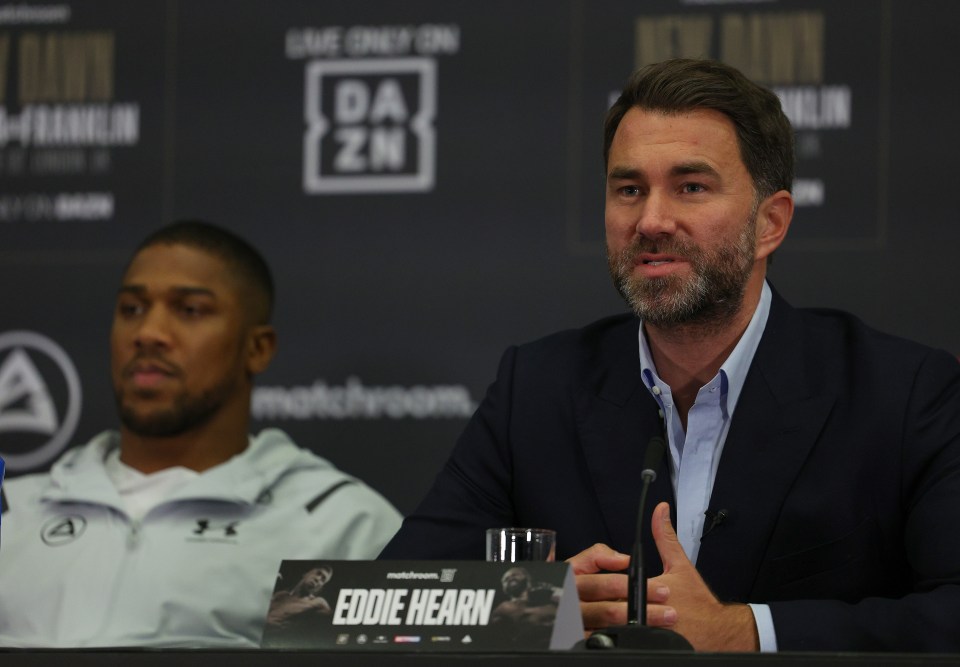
[
  {"x": 187, "y": 412},
  {"x": 709, "y": 298}
]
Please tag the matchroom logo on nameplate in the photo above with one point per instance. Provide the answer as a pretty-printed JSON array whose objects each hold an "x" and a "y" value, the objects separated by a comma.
[{"x": 370, "y": 126}]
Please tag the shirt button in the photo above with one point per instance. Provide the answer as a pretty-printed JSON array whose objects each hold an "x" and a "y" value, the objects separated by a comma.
[{"x": 656, "y": 391}]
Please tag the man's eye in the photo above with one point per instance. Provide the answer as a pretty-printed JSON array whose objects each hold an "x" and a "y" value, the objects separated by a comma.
[
  {"x": 693, "y": 188},
  {"x": 630, "y": 190},
  {"x": 193, "y": 310},
  {"x": 129, "y": 309}
]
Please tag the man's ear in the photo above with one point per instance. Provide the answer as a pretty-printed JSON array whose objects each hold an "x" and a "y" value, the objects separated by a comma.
[
  {"x": 261, "y": 346},
  {"x": 773, "y": 220}
]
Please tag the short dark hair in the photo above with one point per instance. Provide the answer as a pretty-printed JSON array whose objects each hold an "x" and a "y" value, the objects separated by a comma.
[
  {"x": 764, "y": 134},
  {"x": 237, "y": 253}
]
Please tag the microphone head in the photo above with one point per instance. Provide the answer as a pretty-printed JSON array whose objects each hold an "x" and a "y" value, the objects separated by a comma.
[
  {"x": 648, "y": 475},
  {"x": 656, "y": 448}
]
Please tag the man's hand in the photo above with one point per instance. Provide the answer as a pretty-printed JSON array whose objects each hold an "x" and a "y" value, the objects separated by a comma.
[
  {"x": 707, "y": 623},
  {"x": 603, "y": 595}
]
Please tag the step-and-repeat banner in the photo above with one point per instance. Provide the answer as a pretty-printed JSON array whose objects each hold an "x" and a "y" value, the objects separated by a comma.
[{"x": 426, "y": 179}]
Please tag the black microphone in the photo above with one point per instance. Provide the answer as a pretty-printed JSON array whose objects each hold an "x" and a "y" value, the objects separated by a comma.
[
  {"x": 715, "y": 519},
  {"x": 636, "y": 634},
  {"x": 637, "y": 578}
]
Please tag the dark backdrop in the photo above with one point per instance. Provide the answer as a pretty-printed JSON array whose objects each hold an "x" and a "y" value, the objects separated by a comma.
[{"x": 425, "y": 178}]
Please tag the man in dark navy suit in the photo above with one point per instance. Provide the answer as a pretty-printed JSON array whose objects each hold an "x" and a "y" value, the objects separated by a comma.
[{"x": 811, "y": 488}]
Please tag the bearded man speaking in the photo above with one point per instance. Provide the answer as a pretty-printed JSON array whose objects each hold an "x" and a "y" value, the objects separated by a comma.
[{"x": 813, "y": 468}]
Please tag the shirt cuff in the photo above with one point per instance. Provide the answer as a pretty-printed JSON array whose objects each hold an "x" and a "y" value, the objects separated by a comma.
[{"x": 764, "y": 621}]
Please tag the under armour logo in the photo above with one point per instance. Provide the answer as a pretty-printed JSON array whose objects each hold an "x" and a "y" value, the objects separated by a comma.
[
  {"x": 203, "y": 525},
  {"x": 62, "y": 530}
]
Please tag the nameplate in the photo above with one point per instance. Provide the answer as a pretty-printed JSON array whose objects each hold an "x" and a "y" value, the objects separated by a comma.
[{"x": 424, "y": 606}]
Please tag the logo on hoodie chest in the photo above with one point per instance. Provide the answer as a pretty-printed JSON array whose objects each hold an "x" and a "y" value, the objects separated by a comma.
[
  {"x": 208, "y": 530},
  {"x": 62, "y": 530}
]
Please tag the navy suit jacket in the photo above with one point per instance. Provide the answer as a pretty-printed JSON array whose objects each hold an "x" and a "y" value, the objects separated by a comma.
[{"x": 840, "y": 476}]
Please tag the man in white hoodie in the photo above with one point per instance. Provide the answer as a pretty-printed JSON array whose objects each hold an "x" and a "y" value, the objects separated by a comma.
[{"x": 170, "y": 532}]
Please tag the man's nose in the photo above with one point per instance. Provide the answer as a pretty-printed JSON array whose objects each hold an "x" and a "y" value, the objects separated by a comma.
[
  {"x": 656, "y": 216},
  {"x": 154, "y": 328}
]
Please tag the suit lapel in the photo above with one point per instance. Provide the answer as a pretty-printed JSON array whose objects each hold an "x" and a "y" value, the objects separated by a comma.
[
  {"x": 617, "y": 417},
  {"x": 776, "y": 422}
]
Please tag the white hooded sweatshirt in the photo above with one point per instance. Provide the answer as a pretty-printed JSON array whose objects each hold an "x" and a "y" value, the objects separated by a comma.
[{"x": 197, "y": 569}]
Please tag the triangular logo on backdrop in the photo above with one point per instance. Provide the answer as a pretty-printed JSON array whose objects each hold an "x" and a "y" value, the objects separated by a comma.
[{"x": 21, "y": 385}]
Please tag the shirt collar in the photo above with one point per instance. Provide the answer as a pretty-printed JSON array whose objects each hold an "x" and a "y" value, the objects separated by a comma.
[{"x": 733, "y": 371}]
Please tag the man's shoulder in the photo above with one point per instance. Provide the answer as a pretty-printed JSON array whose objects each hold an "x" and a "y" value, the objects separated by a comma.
[
  {"x": 24, "y": 490},
  {"x": 28, "y": 489},
  {"x": 845, "y": 333},
  {"x": 596, "y": 355},
  {"x": 608, "y": 335},
  {"x": 278, "y": 461},
  {"x": 343, "y": 517},
  {"x": 301, "y": 473},
  {"x": 825, "y": 338}
]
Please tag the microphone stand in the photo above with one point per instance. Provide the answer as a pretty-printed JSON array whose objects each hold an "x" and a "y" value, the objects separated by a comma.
[{"x": 636, "y": 634}]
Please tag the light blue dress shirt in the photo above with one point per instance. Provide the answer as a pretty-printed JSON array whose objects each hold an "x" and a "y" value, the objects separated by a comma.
[{"x": 695, "y": 454}]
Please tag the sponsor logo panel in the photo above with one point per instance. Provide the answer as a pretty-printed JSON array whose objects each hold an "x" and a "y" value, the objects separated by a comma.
[
  {"x": 370, "y": 105},
  {"x": 370, "y": 126},
  {"x": 828, "y": 69},
  {"x": 40, "y": 399},
  {"x": 356, "y": 400},
  {"x": 66, "y": 120}
]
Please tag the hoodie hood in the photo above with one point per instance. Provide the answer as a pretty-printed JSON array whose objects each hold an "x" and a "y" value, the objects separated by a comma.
[{"x": 79, "y": 474}]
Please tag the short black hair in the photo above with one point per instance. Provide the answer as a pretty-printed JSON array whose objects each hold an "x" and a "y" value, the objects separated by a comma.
[
  {"x": 237, "y": 253},
  {"x": 764, "y": 134}
]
